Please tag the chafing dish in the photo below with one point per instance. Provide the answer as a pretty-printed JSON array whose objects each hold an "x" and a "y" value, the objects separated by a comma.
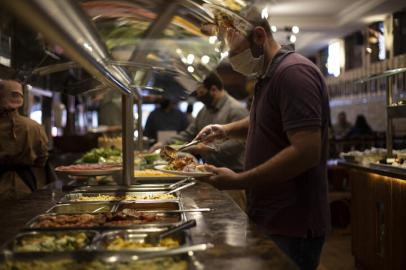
[
  {"x": 81, "y": 208},
  {"x": 117, "y": 196},
  {"x": 101, "y": 261},
  {"x": 99, "y": 221},
  {"x": 135, "y": 240},
  {"x": 140, "y": 206},
  {"x": 39, "y": 242}
]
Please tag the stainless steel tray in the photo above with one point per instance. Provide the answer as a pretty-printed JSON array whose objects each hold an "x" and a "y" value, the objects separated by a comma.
[
  {"x": 121, "y": 188},
  {"x": 82, "y": 208},
  {"x": 136, "y": 236},
  {"x": 137, "y": 187},
  {"x": 12, "y": 246},
  {"x": 100, "y": 260},
  {"x": 74, "y": 197},
  {"x": 145, "y": 206},
  {"x": 166, "y": 219}
]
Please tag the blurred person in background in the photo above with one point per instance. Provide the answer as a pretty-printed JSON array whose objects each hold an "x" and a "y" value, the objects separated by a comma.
[
  {"x": 361, "y": 128},
  {"x": 343, "y": 127},
  {"x": 23, "y": 145},
  {"x": 219, "y": 108},
  {"x": 167, "y": 117},
  {"x": 109, "y": 108}
]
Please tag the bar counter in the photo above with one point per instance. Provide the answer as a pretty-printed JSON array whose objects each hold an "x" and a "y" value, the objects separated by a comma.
[
  {"x": 238, "y": 244},
  {"x": 378, "y": 216},
  {"x": 381, "y": 170}
]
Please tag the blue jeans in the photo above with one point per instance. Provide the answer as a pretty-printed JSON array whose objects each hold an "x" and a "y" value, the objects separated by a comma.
[{"x": 305, "y": 252}]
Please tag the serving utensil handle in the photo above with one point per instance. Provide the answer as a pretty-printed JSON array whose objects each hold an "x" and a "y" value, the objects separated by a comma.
[{"x": 189, "y": 224}]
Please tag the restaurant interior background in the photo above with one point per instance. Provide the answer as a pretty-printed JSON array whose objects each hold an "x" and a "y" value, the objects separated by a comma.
[{"x": 160, "y": 44}]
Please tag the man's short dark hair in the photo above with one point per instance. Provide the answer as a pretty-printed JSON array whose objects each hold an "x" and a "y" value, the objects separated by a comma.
[{"x": 213, "y": 79}]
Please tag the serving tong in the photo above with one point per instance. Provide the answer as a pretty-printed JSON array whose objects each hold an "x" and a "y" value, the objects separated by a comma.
[
  {"x": 130, "y": 211},
  {"x": 169, "y": 153},
  {"x": 155, "y": 238}
]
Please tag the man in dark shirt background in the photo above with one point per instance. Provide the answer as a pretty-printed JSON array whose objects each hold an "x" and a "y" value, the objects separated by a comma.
[
  {"x": 286, "y": 150},
  {"x": 167, "y": 117}
]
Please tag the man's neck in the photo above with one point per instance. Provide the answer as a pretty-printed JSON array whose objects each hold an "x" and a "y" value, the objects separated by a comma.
[{"x": 270, "y": 50}]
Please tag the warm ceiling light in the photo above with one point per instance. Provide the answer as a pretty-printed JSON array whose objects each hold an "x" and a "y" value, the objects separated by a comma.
[
  {"x": 295, "y": 29},
  {"x": 190, "y": 69},
  {"x": 274, "y": 28},
  {"x": 212, "y": 39},
  {"x": 205, "y": 59},
  {"x": 190, "y": 58},
  {"x": 264, "y": 13},
  {"x": 292, "y": 38}
]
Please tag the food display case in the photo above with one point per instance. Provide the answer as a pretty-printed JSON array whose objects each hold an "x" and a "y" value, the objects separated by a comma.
[{"x": 127, "y": 46}]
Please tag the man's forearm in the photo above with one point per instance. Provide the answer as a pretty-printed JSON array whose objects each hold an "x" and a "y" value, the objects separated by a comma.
[
  {"x": 238, "y": 129},
  {"x": 285, "y": 165}
]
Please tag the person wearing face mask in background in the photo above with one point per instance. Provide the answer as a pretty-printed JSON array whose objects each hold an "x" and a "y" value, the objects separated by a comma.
[
  {"x": 167, "y": 117},
  {"x": 287, "y": 143},
  {"x": 219, "y": 108},
  {"x": 23, "y": 145}
]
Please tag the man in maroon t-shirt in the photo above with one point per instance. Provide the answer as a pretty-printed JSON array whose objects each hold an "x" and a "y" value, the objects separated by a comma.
[{"x": 285, "y": 167}]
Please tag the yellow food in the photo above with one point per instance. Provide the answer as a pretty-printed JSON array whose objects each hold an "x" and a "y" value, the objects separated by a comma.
[
  {"x": 118, "y": 243},
  {"x": 163, "y": 263},
  {"x": 151, "y": 173},
  {"x": 127, "y": 197}
]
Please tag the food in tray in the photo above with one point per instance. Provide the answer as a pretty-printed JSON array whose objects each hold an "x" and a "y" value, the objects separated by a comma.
[
  {"x": 162, "y": 263},
  {"x": 185, "y": 164},
  {"x": 124, "y": 197},
  {"x": 151, "y": 173},
  {"x": 102, "y": 155},
  {"x": 96, "y": 220},
  {"x": 109, "y": 142},
  {"x": 120, "y": 243},
  {"x": 365, "y": 157},
  {"x": 49, "y": 242},
  {"x": 79, "y": 208},
  {"x": 88, "y": 167}
]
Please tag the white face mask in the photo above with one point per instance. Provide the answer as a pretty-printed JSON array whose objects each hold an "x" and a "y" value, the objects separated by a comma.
[{"x": 246, "y": 64}]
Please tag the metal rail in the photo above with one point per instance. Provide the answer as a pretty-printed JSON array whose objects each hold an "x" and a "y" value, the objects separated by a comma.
[
  {"x": 392, "y": 110},
  {"x": 63, "y": 22}
]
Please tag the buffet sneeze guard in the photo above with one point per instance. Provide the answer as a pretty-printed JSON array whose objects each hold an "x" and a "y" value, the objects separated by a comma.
[
  {"x": 158, "y": 38},
  {"x": 63, "y": 22}
]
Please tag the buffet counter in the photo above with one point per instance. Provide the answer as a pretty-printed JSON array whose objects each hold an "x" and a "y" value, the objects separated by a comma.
[
  {"x": 378, "y": 217},
  {"x": 384, "y": 170},
  {"x": 237, "y": 243}
]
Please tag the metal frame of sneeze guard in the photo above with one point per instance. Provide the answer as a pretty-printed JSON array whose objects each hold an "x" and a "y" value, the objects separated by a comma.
[{"x": 63, "y": 22}]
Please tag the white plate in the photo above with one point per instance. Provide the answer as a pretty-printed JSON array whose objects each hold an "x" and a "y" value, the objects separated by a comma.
[
  {"x": 90, "y": 172},
  {"x": 193, "y": 174}
]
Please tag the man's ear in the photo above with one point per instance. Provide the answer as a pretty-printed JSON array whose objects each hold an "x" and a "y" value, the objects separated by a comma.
[{"x": 259, "y": 35}]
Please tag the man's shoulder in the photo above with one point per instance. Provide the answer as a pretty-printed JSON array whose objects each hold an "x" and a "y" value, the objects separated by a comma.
[
  {"x": 296, "y": 61},
  {"x": 28, "y": 122}
]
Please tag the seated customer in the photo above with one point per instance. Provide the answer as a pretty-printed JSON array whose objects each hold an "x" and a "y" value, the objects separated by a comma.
[
  {"x": 23, "y": 144},
  {"x": 360, "y": 129},
  {"x": 342, "y": 127}
]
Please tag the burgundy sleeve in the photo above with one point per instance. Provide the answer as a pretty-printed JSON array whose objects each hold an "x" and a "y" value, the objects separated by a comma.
[{"x": 300, "y": 97}]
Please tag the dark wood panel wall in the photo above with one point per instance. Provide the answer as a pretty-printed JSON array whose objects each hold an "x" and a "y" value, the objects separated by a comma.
[{"x": 378, "y": 221}]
